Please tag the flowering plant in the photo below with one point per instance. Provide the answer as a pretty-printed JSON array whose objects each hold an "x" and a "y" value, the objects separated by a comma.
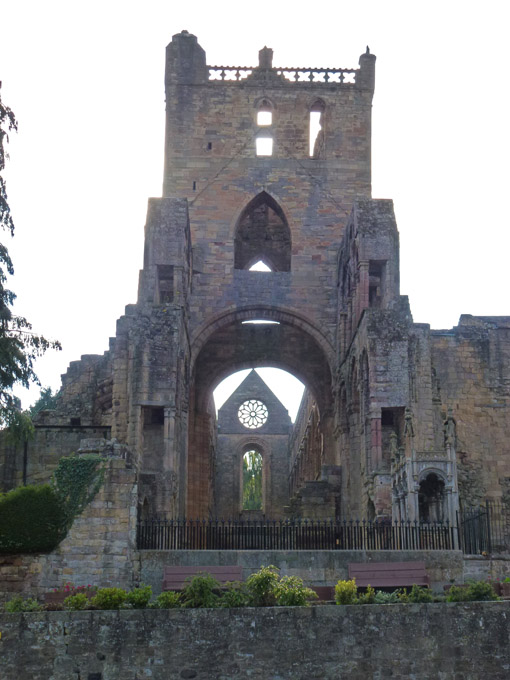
[{"x": 69, "y": 588}]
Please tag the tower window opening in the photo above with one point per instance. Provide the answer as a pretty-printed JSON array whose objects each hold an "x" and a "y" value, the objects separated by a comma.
[
  {"x": 264, "y": 117},
  {"x": 264, "y": 146},
  {"x": 316, "y": 131}
]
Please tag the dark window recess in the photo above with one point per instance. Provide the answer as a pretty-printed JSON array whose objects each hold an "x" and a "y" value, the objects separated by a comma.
[
  {"x": 153, "y": 415},
  {"x": 263, "y": 234},
  {"x": 75, "y": 422},
  {"x": 376, "y": 279},
  {"x": 209, "y": 146},
  {"x": 94, "y": 676},
  {"x": 194, "y": 186},
  {"x": 165, "y": 283}
]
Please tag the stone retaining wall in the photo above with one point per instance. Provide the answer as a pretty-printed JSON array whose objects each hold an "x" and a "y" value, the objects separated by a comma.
[
  {"x": 425, "y": 642},
  {"x": 319, "y": 567}
]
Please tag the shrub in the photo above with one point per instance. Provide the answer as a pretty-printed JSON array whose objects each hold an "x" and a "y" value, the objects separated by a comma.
[
  {"x": 346, "y": 592},
  {"x": 476, "y": 591},
  {"x": 385, "y": 598},
  {"x": 368, "y": 597},
  {"x": 76, "y": 602},
  {"x": 31, "y": 520},
  {"x": 18, "y": 604},
  {"x": 139, "y": 597},
  {"x": 168, "y": 599},
  {"x": 290, "y": 591},
  {"x": 262, "y": 586},
  {"x": 109, "y": 598},
  {"x": 418, "y": 594},
  {"x": 201, "y": 591},
  {"x": 235, "y": 595}
]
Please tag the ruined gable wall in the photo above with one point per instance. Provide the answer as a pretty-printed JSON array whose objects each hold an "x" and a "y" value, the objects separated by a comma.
[{"x": 472, "y": 362}]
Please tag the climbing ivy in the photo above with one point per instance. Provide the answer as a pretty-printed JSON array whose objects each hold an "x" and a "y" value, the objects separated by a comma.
[{"x": 76, "y": 480}]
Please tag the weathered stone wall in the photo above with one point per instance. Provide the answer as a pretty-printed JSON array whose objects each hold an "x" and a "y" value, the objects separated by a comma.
[
  {"x": 472, "y": 363},
  {"x": 427, "y": 642},
  {"x": 98, "y": 549}
]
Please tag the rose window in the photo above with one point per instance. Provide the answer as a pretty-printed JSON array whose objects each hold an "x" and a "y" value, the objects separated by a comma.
[{"x": 252, "y": 414}]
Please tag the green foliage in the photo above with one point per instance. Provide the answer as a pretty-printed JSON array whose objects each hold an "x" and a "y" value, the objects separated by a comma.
[
  {"x": 252, "y": 481},
  {"x": 262, "y": 586},
  {"x": 20, "y": 428},
  {"x": 31, "y": 520},
  {"x": 235, "y": 595},
  {"x": 18, "y": 604},
  {"x": 475, "y": 592},
  {"x": 19, "y": 345},
  {"x": 77, "y": 479},
  {"x": 368, "y": 597},
  {"x": 386, "y": 598},
  {"x": 418, "y": 594},
  {"x": 168, "y": 599},
  {"x": 139, "y": 598},
  {"x": 36, "y": 518},
  {"x": 109, "y": 598},
  {"x": 291, "y": 592},
  {"x": 47, "y": 400},
  {"x": 201, "y": 590},
  {"x": 76, "y": 602},
  {"x": 346, "y": 592}
]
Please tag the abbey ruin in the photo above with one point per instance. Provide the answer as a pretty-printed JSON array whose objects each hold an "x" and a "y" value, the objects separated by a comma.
[{"x": 398, "y": 421}]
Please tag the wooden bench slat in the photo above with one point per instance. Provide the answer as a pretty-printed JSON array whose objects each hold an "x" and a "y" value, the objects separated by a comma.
[
  {"x": 174, "y": 578},
  {"x": 389, "y": 574}
]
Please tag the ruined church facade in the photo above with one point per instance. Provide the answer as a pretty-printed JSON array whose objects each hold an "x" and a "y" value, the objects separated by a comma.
[{"x": 398, "y": 421}]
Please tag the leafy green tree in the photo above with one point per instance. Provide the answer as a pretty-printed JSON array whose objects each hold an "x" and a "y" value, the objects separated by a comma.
[
  {"x": 47, "y": 400},
  {"x": 19, "y": 345},
  {"x": 252, "y": 481}
]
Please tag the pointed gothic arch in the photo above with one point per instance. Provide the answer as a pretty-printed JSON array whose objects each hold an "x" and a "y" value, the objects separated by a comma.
[{"x": 262, "y": 233}]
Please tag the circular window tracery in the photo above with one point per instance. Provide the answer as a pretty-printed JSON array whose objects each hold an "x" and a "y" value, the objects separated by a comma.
[{"x": 252, "y": 414}]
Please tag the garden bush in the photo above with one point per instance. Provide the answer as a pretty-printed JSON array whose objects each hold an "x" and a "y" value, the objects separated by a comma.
[
  {"x": 418, "y": 594},
  {"x": 262, "y": 586},
  {"x": 77, "y": 602},
  {"x": 346, "y": 592},
  {"x": 368, "y": 597},
  {"x": 109, "y": 598},
  {"x": 168, "y": 599},
  {"x": 18, "y": 604},
  {"x": 31, "y": 519},
  {"x": 475, "y": 592},
  {"x": 235, "y": 595},
  {"x": 201, "y": 590},
  {"x": 139, "y": 598},
  {"x": 386, "y": 598},
  {"x": 290, "y": 591}
]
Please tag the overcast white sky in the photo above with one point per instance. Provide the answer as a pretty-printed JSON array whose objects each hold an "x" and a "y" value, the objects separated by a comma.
[{"x": 85, "y": 80}]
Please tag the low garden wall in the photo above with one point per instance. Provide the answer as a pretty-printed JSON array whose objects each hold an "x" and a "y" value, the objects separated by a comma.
[
  {"x": 422, "y": 641},
  {"x": 317, "y": 567}
]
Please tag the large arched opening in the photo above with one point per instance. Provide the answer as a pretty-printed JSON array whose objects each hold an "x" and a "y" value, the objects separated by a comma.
[{"x": 228, "y": 344}]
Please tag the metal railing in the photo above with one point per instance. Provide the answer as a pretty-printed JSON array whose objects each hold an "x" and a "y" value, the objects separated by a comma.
[
  {"x": 485, "y": 529},
  {"x": 215, "y": 534}
]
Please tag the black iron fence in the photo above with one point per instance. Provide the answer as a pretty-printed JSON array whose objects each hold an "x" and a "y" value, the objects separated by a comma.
[
  {"x": 211, "y": 534},
  {"x": 485, "y": 529}
]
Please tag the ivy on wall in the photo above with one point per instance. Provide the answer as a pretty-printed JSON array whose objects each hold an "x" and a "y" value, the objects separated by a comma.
[
  {"x": 36, "y": 518},
  {"x": 76, "y": 480}
]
